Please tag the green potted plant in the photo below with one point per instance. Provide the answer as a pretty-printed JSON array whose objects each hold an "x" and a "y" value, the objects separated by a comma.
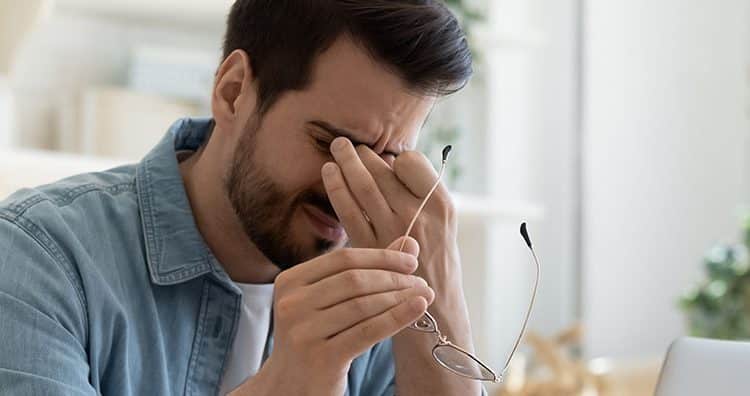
[
  {"x": 719, "y": 307},
  {"x": 438, "y": 136}
]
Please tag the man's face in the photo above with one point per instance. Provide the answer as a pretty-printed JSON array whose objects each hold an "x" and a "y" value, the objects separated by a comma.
[{"x": 274, "y": 181}]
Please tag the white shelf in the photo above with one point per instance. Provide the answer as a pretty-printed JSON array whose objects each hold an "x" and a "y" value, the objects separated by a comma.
[
  {"x": 29, "y": 168},
  {"x": 25, "y": 168},
  {"x": 476, "y": 209}
]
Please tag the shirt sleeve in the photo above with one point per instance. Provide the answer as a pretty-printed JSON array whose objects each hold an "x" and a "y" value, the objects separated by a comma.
[
  {"x": 42, "y": 322},
  {"x": 380, "y": 377}
]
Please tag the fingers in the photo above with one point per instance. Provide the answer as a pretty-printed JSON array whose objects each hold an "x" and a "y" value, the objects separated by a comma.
[
  {"x": 416, "y": 172},
  {"x": 361, "y": 183},
  {"x": 399, "y": 197},
  {"x": 410, "y": 246},
  {"x": 346, "y": 206},
  {"x": 346, "y": 259},
  {"x": 351, "y": 284},
  {"x": 357, "y": 339},
  {"x": 348, "y": 314}
]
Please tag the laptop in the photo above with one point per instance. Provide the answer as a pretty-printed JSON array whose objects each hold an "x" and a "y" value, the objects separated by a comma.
[{"x": 703, "y": 367}]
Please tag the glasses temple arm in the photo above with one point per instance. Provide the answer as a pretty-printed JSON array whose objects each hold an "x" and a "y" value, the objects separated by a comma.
[
  {"x": 528, "y": 313},
  {"x": 422, "y": 205}
]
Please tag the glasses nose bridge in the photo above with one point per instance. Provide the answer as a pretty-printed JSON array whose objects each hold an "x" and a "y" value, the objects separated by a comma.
[{"x": 426, "y": 324}]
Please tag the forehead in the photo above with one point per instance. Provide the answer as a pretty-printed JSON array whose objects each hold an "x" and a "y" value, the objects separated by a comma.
[{"x": 352, "y": 91}]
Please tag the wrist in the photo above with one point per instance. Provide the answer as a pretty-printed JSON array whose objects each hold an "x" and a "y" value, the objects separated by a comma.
[
  {"x": 442, "y": 271},
  {"x": 276, "y": 377},
  {"x": 260, "y": 384}
]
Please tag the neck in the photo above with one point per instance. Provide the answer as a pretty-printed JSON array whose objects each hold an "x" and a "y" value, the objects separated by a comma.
[{"x": 218, "y": 223}]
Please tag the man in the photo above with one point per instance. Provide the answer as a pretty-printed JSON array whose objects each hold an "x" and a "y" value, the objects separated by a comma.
[{"x": 160, "y": 278}]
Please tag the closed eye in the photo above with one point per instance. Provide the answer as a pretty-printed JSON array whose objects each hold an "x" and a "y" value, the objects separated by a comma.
[{"x": 323, "y": 145}]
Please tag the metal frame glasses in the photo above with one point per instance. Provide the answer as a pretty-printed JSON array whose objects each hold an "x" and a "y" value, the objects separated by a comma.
[{"x": 452, "y": 357}]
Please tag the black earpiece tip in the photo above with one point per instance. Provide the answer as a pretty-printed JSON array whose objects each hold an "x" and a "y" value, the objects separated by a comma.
[
  {"x": 446, "y": 151},
  {"x": 525, "y": 235}
]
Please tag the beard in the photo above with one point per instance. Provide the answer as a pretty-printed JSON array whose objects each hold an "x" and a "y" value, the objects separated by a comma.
[{"x": 266, "y": 211}]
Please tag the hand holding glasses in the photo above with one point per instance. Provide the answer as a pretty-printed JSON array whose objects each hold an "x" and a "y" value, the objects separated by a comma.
[{"x": 451, "y": 356}]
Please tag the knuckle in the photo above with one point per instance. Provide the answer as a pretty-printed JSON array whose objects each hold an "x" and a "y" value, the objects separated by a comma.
[
  {"x": 359, "y": 307},
  {"x": 384, "y": 256},
  {"x": 350, "y": 216},
  {"x": 282, "y": 279},
  {"x": 345, "y": 256},
  {"x": 380, "y": 173},
  {"x": 335, "y": 185},
  {"x": 395, "y": 318},
  {"x": 394, "y": 299},
  {"x": 394, "y": 259},
  {"x": 354, "y": 279},
  {"x": 396, "y": 280},
  {"x": 369, "y": 188},
  {"x": 285, "y": 307},
  {"x": 386, "y": 299}
]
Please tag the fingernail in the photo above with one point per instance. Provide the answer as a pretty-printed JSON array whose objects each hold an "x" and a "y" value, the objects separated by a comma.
[
  {"x": 338, "y": 144},
  {"x": 412, "y": 265},
  {"x": 432, "y": 294},
  {"x": 413, "y": 242},
  {"x": 329, "y": 169}
]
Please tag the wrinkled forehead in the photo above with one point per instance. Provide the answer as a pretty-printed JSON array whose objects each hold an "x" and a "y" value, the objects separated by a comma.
[{"x": 353, "y": 92}]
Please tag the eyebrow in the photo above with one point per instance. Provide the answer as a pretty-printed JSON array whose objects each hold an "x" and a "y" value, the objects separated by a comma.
[{"x": 344, "y": 133}]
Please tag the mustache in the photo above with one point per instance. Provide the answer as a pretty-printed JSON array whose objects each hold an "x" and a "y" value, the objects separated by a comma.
[{"x": 320, "y": 201}]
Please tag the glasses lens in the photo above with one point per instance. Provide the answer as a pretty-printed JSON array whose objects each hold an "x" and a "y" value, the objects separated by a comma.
[
  {"x": 425, "y": 324},
  {"x": 462, "y": 363}
]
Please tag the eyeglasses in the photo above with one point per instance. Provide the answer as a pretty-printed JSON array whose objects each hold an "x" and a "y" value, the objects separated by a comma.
[{"x": 452, "y": 357}]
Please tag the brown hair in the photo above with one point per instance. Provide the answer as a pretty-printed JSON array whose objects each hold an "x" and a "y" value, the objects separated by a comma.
[{"x": 419, "y": 40}]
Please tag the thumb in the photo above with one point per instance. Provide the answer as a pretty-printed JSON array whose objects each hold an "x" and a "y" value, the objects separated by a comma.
[{"x": 410, "y": 246}]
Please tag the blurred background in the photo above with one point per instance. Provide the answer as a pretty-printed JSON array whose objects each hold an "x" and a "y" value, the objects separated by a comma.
[{"x": 618, "y": 129}]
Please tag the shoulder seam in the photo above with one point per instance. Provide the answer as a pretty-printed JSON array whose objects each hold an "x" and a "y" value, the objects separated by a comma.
[
  {"x": 40, "y": 312},
  {"x": 68, "y": 196},
  {"x": 48, "y": 245}
]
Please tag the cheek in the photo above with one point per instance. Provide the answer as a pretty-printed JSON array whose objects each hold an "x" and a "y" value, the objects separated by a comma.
[{"x": 294, "y": 165}]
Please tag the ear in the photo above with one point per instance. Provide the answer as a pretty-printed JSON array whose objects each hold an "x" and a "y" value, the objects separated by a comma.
[{"x": 234, "y": 90}]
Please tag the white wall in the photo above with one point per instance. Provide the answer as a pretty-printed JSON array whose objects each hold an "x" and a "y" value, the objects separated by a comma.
[
  {"x": 553, "y": 171},
  {"x": 664, "y": 147}
]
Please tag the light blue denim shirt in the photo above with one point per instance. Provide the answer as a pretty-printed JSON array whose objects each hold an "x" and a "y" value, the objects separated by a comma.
[{"x": 106, "y": 286}]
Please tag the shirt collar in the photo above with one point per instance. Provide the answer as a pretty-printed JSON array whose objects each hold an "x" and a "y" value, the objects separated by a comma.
[{"x": 175, "y": 250}]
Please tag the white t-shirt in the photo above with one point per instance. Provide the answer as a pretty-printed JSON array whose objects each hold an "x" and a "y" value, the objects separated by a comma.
[{"x": 246, "y": 355}]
